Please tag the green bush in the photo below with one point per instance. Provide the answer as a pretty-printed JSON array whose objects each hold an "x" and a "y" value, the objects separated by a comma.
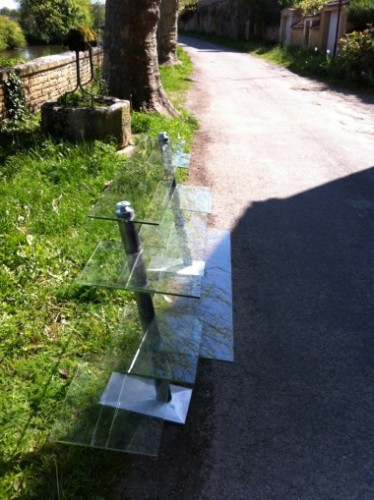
[
  {"x": 11, "y": 34},
  {"x": 361, "y": 13},
  {"x": 356, "y": 55}
]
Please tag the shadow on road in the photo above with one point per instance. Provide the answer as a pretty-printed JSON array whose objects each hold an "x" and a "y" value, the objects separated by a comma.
[
  {"x": 303, "y": 281},
  {"x": 292, "y": 417}
]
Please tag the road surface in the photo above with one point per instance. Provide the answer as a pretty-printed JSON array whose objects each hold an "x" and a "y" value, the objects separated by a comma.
[{"x": 291, "y": 167}]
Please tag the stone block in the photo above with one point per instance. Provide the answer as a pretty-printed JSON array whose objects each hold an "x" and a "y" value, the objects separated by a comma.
[{"x": 108, "y": 121}]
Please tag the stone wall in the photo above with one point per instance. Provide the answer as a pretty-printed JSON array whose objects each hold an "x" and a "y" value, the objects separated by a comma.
[
  {"x": 218, "y": 17},
  {"x": 46, "y": 78},
  {"x": 225, "y": 18}
]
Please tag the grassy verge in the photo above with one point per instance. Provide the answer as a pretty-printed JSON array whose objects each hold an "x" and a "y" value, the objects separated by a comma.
[
  {"x": 311, "y": 64},
  {"x": 47, "y": 323}
]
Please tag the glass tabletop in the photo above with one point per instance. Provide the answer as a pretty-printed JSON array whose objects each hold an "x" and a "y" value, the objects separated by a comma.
[
  {"x": 169, "y": 349},
  {"x": 149, "y": 148},
  {"x": 171, "y": 261},
  {"x": 109, "y": 267},
  {"x": 214, "y": 308},
  {"x": 162, "y": 197},
  {"x": 103, "y": 409}
]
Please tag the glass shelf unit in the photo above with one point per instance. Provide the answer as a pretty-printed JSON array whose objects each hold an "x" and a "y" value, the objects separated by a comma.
[
  {"x": 171, "y": 262},
  {"x": 180, "y": 273}
]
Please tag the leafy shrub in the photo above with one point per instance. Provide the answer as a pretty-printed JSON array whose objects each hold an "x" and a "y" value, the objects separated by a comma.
[
  {"x": 10, "y": 61},
  {"x": 361, "y": 13},
  {"x": 356, "y": 54},
  {"x": 49, "y": 22},
  {"x": 79, "y": 38},
  {"x": 15, "y": 104},
  {"x": 187, "y": 9},
  {"x": 311, "y": 7},
  {"x": 11, "y": 34}
]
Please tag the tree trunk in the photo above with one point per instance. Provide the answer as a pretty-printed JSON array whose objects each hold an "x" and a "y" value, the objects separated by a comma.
[
  {"x": 167, "y": 33},
  {"x": 130, "y": 55}
]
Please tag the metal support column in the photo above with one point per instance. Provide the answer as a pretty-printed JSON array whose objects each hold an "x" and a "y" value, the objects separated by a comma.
[{"x": 131, "y": 242}]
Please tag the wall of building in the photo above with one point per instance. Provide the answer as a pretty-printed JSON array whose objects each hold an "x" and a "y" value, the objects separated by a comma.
[
  {"x": 46, "y": 78},
  {"x": 319, "y": 30},
  {"x": 315, "y": 39}
]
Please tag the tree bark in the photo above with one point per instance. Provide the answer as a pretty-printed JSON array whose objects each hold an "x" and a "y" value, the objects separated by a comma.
[
  {"x": 130, "y": 55},
  {"x": 167, "y": 33}
]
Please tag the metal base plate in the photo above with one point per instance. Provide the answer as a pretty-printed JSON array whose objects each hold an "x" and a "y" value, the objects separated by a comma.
[{"x": 139, "y": 395}]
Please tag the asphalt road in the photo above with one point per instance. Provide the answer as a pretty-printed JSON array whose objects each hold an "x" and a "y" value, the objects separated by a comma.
[{"x": 291, "y": 168}]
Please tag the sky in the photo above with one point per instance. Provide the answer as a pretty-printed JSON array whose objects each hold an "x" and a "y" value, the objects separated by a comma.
[{"x": 11, "y": 4}]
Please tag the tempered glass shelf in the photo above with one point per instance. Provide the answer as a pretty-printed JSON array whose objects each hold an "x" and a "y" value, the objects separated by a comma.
[
  {"x": 185, "y": 197},
  {"x": 214, "y": 309},
  {"x": 168, "y": 350},
  {"x": 192, "y": 198},
  {"x": 146, "y": 212},
  {"x": 181, "y": 233},
  {"x": 93, "y": 413},
  {"x": 172, "y": 260},
  {"x": 149, "y": 148},
  {"x": 109, "y": 267}
]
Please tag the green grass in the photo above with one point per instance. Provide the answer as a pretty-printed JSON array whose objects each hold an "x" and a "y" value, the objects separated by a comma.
[
  {"x": 177, "y": 78},
  {"x": 47, "y": 323}
]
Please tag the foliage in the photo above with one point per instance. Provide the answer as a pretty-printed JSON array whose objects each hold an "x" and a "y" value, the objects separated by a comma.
[
  {"x": 175, "y": 79},
  {"x": 311, "y": 7},
  {"x": 187, "y": 8},
  {"x": 11, "y": 13},
  {"x": 356, "y": 54},
  {"x": 98, "y": 17},
  {"x": 11, "y": 35},
  {"x": 46, "y": 323},
  {"x": 287, "y": 3},
  {"x": 187, "y": 4},
  {"x": 8, "y": 62},
  {"x": 90, "y": 97},
  {"x": 15, "y": 104},
  {"x": 79, "y": 38},
  {"x": 361, "y": 13},
  {"x": 48, "y": 21}
]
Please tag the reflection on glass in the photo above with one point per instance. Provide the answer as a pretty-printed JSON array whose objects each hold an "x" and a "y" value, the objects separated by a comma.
[
  {"x": 168, "y": 350},
  {"x": 214, "y": 309},
  {"x": 192, "y": 198},
  {"x": 172, "y": 257}
]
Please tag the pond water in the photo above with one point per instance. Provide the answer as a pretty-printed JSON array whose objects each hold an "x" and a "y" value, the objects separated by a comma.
[{"x": 32, "y": 52}]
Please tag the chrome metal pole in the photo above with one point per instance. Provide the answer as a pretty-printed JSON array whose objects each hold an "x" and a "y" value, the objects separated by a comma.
[{"x": 131, "y": 242}]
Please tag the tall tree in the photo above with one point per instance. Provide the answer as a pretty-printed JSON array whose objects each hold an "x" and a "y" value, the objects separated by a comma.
[
  {"x": 130, "y": 55},
  {"x": 167, "y": 32},
  {"x": 11, "y": 35},
  {"x": 48, "y": 21}
]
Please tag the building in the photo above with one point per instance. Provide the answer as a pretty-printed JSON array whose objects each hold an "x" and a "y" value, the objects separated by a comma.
[{"x": 321, "y": 31}]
